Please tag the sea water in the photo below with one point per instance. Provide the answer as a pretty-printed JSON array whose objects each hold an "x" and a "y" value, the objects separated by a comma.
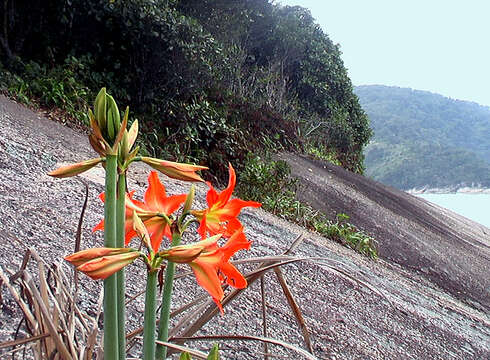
[{"x": 474, "y": 206}]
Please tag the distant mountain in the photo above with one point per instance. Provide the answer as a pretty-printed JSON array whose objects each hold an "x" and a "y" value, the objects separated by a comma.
[{"x": 422, "y": 139}]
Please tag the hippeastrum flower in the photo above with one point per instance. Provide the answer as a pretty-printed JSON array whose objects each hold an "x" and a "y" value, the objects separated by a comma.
[
  {"x": 100, "y": 263},
  {"x": 75, "y": 169},
  {"x": 221, "y": 215},
  {"x": 174, "y": 170},
  {"x": 154, "y": 212},
  {"x": 210, "y": 263}
]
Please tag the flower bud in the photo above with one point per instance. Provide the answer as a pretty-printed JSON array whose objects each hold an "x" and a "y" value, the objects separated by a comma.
[
  {"x": 107, "y": 116},
  {"x": 75, "y": 169},
  {"x": 100, "y": 109},
  {"x": 100, "y": 263},
  {"x": 187, "y": 253},
  {"x": 174, "y": 170},
  {"x": 113, "y": 118}
]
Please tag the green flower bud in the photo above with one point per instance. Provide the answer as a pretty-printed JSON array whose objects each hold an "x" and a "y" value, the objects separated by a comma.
[{"x": 100, "y": 109}]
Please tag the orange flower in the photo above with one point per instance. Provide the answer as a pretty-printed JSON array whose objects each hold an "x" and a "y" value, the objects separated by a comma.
[
  {"x": 100, "y": 263},
  {"x": 221, "y": 215},
  {"x": 154, "y": 212},
  {"x": 210, "y": 263}
]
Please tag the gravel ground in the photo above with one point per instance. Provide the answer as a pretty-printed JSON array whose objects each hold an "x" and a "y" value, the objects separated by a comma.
[{"x": 347, "y": 320}]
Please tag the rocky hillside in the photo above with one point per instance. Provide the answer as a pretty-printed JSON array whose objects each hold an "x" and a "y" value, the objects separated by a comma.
[{"x": 406, "y": 314}]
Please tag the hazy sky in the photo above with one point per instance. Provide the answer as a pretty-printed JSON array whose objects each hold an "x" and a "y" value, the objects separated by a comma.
[{"x": 442, "y": 46}]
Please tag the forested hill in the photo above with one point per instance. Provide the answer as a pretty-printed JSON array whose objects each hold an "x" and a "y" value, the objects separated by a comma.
[
  {"x": 423, "y": 139},
  {"x": 210, "y": 80}
]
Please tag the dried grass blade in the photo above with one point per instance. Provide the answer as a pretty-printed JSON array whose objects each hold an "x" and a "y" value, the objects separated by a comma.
[
  {"x": 212, "y": 309},
  {"x": 57, "y": 312},
  {"x": 78, "y": 239},
  {"x": 297, "y": 242},
  {"x": 50, "y": 346},
  {"x": 193, "y": 352},
  {"x": 25, "y": 260},
  {"x": 264, "y": 316},
  {"x": 68, "y": 308},
  {"x": 92, "y": 338},
  {"x": 250, "y": 338},
  {"x": 360, "y": 282},
  {"x": 60, "y": 346},
  {"x": 188, "y": 306},
  {"x": 295, "y": 308},
  {"x": 25, "y": 308},
  {"x": 7, "y": 344},
  {"x": 187, "y": 319}
]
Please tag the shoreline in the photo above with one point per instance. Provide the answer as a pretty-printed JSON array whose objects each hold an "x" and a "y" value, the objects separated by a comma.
[{"x": 449, "y": 190}]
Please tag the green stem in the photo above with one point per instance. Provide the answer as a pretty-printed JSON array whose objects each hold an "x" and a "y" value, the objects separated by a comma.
[
  {"x": 111, "y": 350},
  {"x": 161, "y": 353},
  {"x": 121, "y": 286},
  {"x": 150, "y": 317}
]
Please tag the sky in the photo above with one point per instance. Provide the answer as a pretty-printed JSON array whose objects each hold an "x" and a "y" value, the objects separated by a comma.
[{"x": 442, "y": 46}]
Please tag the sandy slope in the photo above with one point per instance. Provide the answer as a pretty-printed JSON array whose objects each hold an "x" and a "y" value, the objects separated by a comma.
[{"x": 347, "y": 321}]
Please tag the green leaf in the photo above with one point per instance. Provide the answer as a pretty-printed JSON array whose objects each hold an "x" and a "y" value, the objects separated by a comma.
[
  {"x": 185, "y": 356},
  {"x": 214, "y": 353}
]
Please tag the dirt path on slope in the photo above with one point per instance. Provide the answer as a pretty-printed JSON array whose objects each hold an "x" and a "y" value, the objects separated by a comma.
[{"x": 450, "y": 250}]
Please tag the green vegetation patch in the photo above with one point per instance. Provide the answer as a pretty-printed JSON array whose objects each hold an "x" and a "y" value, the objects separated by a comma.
[
  {"x": 209, "y": 80},
  {"x": 269, "y": 182},
  {"x": 426, "y": 140}
]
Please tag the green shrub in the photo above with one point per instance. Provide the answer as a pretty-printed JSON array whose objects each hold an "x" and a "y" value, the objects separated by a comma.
[
  {"x": 52, "y": 88},
  {"x": 344, "y": 232}
]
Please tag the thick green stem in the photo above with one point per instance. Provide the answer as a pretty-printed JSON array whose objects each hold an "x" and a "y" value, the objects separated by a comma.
[
  {"x": 161, "y": 353},
  {"x": 121, "y": 286},
  {"x": 150, "y": 317},
  {"x": 111, "y": 350}
]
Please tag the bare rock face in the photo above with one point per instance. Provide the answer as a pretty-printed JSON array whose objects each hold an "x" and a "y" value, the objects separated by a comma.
[
  {"x": 408, "y": 313},
  {"x": 446, "y": 248}
]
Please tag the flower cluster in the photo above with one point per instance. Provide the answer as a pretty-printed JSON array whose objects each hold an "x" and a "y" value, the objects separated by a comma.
[
  {"x": 153, "y": 220},
  {"x": 209, "y": 261}
]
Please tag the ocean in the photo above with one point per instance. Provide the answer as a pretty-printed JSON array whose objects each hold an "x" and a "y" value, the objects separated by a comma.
[{"x": 474, "y": 206}]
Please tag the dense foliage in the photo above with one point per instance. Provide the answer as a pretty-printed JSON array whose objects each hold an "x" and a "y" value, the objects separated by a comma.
[
  {"x": 211, "y": 80},
  {"x": 426, "y": 140}
]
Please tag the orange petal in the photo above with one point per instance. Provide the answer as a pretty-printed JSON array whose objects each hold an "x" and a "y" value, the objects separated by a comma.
[
  {"x": 202, "y": 229},
  {"x": 156, "y": 227},
  {"x": 172, "y": 203},
  {"x": 232, "y": 226},
  {"x": 211, "y": 196},
  {"x": 233, "y": 276},
  {"x": 233, "y": 207},
  {"x": 155, "y": 195},
  {"x": 237, "y": 242},
  {"x": 225, "y": 195},
  {"x": 207, "y": 278},
  {"x": 99, "y": 226}
]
